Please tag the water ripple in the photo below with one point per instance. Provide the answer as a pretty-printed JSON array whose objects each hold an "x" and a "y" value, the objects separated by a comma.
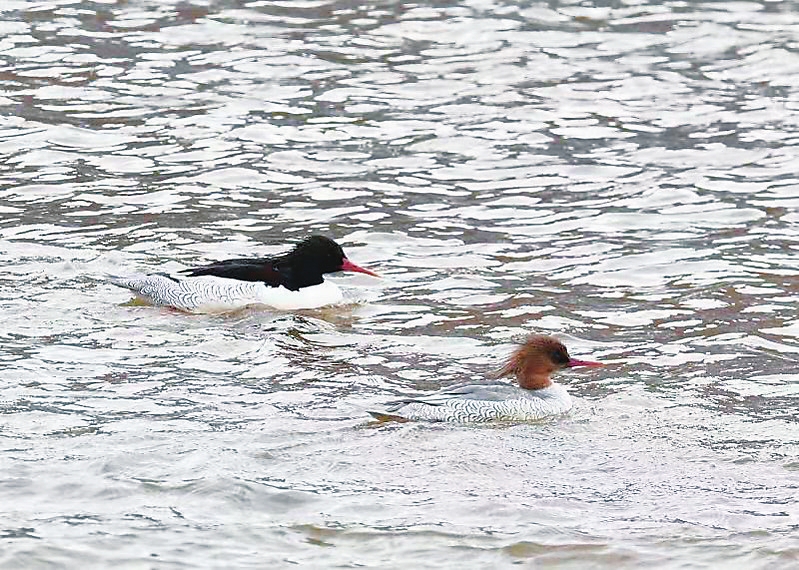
[{"x": 622, "y": 176}]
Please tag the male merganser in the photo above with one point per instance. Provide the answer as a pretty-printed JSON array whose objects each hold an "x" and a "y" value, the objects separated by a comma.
[
  {"x": 534, "y": 398},
  {"x": 290, "y": 281}
]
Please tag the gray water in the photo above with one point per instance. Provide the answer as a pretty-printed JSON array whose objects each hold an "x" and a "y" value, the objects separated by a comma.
[{"x": 622, "y": 175}]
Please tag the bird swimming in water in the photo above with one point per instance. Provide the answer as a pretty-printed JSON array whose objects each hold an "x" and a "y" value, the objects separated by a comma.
[
  {"x": 536, "y": 396},
  {"x": 290, "y": 281}
]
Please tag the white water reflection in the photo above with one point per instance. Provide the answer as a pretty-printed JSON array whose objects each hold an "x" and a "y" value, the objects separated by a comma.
[{"x": 620, "y": 175}]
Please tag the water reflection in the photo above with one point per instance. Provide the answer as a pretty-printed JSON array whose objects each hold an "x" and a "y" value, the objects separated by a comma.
[{"x": 620, "y": 175}]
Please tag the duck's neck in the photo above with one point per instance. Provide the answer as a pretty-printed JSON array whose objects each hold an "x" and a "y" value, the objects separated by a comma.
[{"x": 534, "y": 381}]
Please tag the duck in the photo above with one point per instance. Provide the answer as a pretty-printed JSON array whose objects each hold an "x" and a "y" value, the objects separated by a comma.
[
  {"x": 290, "y": 281},
  {"x": 534, "y": 396}
]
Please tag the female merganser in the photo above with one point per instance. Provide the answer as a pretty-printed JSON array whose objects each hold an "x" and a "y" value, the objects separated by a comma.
[
  {"x": 290, "y": 281},
  {"x": 534, "y": 398}
]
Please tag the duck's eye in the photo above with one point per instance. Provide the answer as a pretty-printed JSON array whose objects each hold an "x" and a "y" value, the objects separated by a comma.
[{"x": 559, "y": 356}]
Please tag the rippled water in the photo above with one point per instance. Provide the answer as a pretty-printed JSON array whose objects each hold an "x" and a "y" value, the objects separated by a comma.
[{"x": 623, "y": 175}]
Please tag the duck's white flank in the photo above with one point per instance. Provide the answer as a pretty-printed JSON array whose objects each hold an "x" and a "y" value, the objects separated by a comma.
[
  {"x": 486, "y": 403},
  {"x": 209, "y": 294}
]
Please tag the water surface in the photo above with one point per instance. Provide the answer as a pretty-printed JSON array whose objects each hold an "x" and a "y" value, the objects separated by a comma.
[{"x": 622, "y": 175}]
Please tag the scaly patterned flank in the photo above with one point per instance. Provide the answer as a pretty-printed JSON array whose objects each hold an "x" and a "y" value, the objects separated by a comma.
[
  {"x": 524, "y": 405},
  {"x": 217, "y": 294}
]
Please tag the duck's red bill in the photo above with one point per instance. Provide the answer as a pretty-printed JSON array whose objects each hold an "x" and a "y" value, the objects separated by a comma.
[
  {"x": 350, "y": 266},
  {"x": 575, "y": 362}
]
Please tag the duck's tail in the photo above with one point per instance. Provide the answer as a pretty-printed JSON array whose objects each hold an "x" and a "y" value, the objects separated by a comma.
[
  {"x": 139, "y": 282},
  {"x": 386, "y": 417}
]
